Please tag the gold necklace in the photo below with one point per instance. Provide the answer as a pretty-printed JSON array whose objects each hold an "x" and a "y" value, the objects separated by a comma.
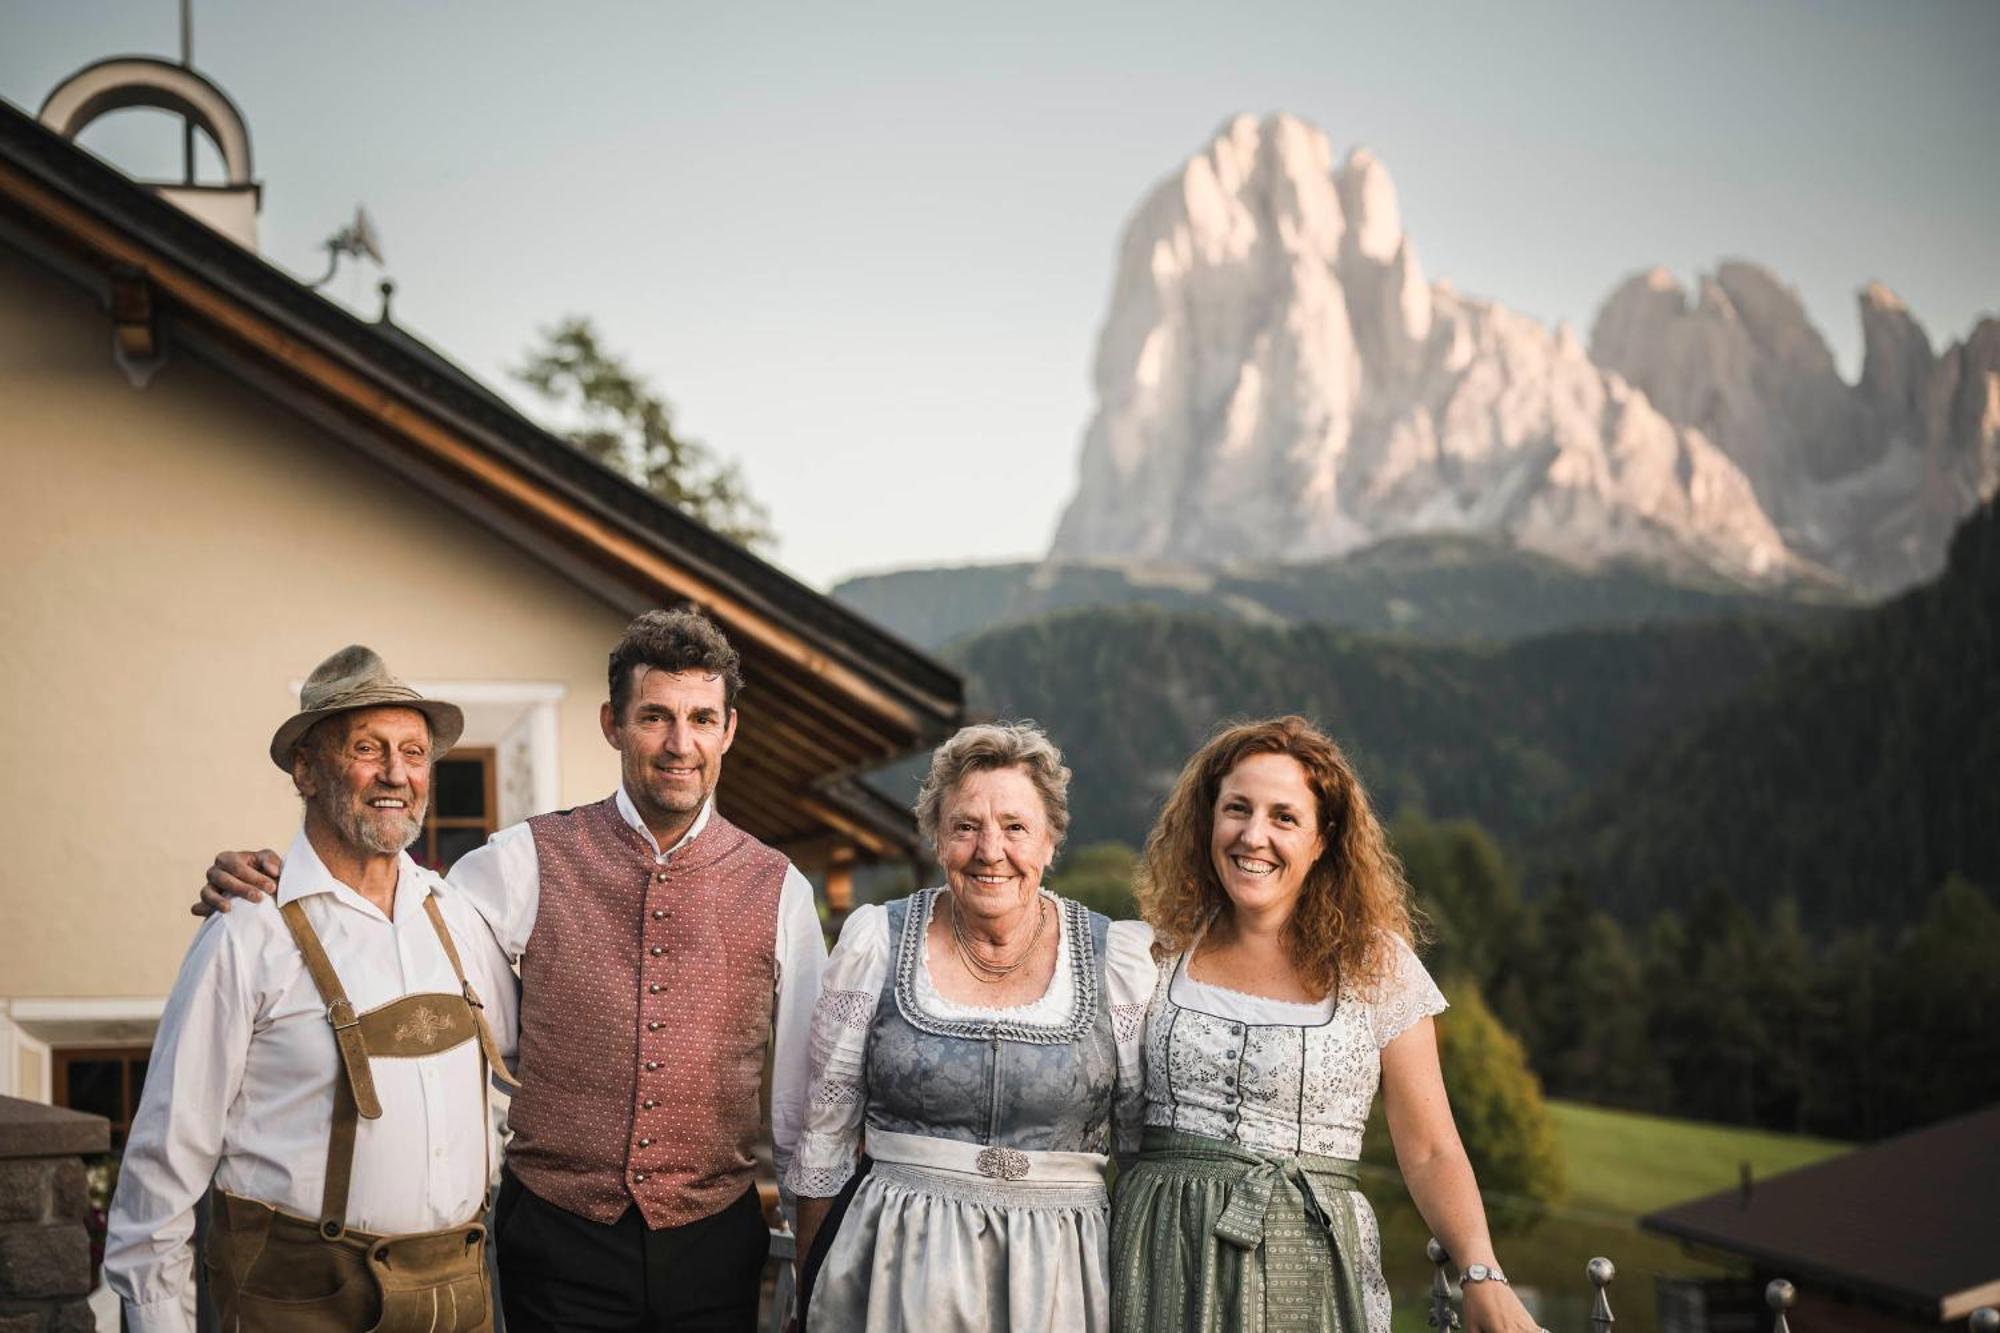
[{"x": 982, "y": 970}]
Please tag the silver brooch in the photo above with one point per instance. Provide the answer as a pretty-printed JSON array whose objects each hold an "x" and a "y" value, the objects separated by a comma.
[{"x": 1002, "y": 1163}]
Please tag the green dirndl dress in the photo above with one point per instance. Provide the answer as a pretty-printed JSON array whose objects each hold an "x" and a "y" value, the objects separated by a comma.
[
  {"x": 1210, "y": 1236},
  {"x": 1243, "y": 1213}
]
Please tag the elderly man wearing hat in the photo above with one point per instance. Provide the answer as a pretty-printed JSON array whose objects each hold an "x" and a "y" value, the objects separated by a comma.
[
  {"x": 664, "y": 955},
  {"x": 325, "y": 1066}
]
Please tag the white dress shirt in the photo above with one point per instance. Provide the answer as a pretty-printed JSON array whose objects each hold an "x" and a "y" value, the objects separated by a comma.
[
  {"x": 240, "y": 1088},
  {"x": 503, "y": 880}
]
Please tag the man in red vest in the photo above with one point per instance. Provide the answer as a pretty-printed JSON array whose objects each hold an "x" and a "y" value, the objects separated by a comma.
[{"x": 663, "y": 953}]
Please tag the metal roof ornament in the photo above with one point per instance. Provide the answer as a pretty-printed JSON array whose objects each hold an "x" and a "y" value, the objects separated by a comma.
[{"x": 357, "y": 240}]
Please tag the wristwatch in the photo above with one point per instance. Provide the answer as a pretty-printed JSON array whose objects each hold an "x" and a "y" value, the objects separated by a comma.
[{"x": 1481, "y": 1273}]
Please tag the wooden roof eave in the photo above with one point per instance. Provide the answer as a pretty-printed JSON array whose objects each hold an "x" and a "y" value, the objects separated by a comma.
[{"x": 875, "y": 721}]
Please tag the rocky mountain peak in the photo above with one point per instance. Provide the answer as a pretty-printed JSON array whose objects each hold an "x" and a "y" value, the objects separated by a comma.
[
  {"x": 1368, "y": 196},
  {"x": 1277, "y": 380},
  {"x": 1858, "y": 478},
  {"x": 1896, "y": 357}
]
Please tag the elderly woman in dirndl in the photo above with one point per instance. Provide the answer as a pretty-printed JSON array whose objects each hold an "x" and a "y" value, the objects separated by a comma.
[
  {"x": 979, "y": 1042},
  {"x": 1287, "y": 991}
]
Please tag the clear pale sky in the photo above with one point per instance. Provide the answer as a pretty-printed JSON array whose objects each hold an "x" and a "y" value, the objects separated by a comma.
[{"x": 865, "y": 248}]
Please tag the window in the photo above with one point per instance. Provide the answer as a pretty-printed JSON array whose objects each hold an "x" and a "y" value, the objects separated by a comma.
[
  {"x": 104, "y": 1080},
  {"x": 464, "y": 808}
]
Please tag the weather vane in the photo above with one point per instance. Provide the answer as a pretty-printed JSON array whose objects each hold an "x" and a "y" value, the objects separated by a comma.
[{"x": 356, "y": 240}]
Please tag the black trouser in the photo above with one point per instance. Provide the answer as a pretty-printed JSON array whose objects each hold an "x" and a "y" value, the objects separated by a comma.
[{"x": 560, "y": 1272}]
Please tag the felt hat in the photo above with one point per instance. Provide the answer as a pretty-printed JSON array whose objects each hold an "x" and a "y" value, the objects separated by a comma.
[{"x": 356, "y": 677}]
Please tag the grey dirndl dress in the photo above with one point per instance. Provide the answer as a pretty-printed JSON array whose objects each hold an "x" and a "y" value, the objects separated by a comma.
[
  {"x": 1243, "y": 1211},
  {"x": 988, "y": 1132}
]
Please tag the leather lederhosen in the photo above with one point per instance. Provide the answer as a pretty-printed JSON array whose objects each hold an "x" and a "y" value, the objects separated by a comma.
[{"x": 272, "y": 1270}]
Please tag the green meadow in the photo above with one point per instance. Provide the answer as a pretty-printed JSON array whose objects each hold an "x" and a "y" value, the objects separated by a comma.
[{"x": 1620, "y": 1165}]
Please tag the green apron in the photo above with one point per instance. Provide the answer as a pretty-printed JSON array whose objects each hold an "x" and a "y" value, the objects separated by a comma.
[{"x": 1214, "y": 1237}]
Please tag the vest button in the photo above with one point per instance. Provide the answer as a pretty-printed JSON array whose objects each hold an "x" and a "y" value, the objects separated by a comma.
[
  {"x": 639, "y": 1177},
  {"x": 649, "y": 1104},
  {"x": 659, "y": 914},
  {"x": 658, "y": 949},
  {"x": 652, "y": 1065},
  {"x": 645, "y": 1143},
  {"x": 655, "y": 988},
  {"x": 655, "y": 1025},
  {"x": 661, "y": 876}
]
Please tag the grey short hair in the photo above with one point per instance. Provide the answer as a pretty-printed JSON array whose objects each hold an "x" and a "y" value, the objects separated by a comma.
[{"x": 989, "y": 745}]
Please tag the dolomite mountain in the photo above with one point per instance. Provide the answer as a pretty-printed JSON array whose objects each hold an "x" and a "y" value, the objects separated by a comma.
[{"x": 1277, "y": 381}]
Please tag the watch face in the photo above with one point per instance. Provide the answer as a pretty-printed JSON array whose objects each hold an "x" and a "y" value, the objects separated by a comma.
[{"x": 1478, "y": 1272}]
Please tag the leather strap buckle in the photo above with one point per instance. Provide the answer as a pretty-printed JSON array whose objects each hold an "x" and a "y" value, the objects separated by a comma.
[
  {"x": 338, "y": 1010},
  {"x": 471, "y": 995}
]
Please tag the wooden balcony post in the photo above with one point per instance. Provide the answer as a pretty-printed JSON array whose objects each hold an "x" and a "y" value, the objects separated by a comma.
[{"x": 839, "y": 884}]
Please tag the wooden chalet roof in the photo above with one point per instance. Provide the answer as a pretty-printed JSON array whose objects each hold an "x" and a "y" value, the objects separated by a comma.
[
  {"x": 1907, "y": 1222},
  {"x": 828, "y": 694}
]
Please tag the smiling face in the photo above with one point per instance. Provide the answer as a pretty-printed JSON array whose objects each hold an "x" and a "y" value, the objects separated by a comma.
[
  {"x": 994, "y": 842},
  {"x": 671, "y": 740},
  {"x": 1266, "y": 835},
  {"x": 366, "y": 777}
]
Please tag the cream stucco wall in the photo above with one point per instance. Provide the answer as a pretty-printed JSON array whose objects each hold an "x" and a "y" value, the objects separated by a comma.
[{"x": 173, "y": 558}]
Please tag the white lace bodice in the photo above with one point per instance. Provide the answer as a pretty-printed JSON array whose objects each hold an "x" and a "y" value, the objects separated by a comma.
[
  {"x": 1051, "y": 1009},
  {"x": 1219, "y": 1064}
]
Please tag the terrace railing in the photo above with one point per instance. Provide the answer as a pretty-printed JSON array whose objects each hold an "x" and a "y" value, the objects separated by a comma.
[{"x": 1780, "y": 1295}]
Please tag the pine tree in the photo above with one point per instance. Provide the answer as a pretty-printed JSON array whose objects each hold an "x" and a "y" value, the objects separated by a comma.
[
  {"x": 619, "y": 420},
  {"x": 1497, "y": 1102}
]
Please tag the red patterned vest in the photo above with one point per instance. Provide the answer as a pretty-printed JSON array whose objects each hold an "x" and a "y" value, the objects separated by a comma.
[{"x": 645, "y": 1017}]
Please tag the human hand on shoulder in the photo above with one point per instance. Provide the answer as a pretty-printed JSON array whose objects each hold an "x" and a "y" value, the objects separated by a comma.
[{"x": 246, "y": 875}]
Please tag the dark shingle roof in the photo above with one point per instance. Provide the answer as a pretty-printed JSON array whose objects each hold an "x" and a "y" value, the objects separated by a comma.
[{"x": 1909, "y": 1221}]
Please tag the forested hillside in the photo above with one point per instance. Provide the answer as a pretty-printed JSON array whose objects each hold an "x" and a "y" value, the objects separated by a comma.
[
  {"x": 1780, "y": 1019},
  {"x": 1508, "y": 735},
  {"x": 1437, "y": 588},
  {"x": 1853, "y": 781},
  {"x": 1738, "y": 870}
]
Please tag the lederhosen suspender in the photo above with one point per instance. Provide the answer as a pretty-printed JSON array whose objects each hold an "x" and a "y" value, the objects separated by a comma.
[{"x": 412, "y": 1025}]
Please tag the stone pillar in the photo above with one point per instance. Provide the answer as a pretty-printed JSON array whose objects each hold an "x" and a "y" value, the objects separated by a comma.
[{"x": 45, "y": 1272}]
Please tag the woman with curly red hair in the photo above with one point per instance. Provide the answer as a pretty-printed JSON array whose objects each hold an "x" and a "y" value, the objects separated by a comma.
[{"x": 1287, "y": 991}]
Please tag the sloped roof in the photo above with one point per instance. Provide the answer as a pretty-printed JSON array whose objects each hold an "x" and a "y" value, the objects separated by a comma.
[
  {"x": 1908, "y": 1221},
  {"x": 829, "y": 694}
]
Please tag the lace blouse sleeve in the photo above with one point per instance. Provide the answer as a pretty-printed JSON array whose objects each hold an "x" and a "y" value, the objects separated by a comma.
[
  {"x": 837, "y": 1089},
  {"x": 1129, "y": 978},
  {"x": 1407, "y": 995}
]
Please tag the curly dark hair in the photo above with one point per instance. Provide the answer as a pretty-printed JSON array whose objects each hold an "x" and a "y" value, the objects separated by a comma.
[
  {"x": 1355, "y": 895},
  {"x": 673, "y": 641}
]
